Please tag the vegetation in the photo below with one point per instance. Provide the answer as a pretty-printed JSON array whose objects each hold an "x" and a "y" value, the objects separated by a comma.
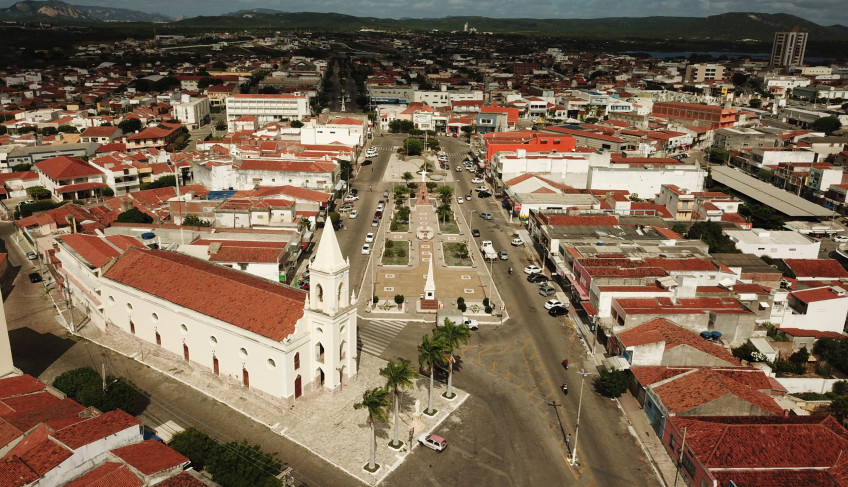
[
  {"x": 130, "y": 125},
  {"x": 345, "y": 170},
  {"x": 195, "y": 221},
  {"x": 163, "y": 182},
  {"x": 612, "y": 383},
  {"x": 231, "y": 464},
  {"x": 21, "y": 167},
  {"x": 431, "y": 354},
  {"x": 134, "y": 215},
  {"x": 714, "y": 154},
  {"x": 747, "y": 351},
  {"x": 375, "y": 401},
  {"x": 396, "y": 253},
  {"x": 710, "y": 233},
  {"x": 762, "y": 216},
  {"x": 396, "y": 126},
  {"x": 413, "y": 147},
  {"x": 828, "y": 124},
  {"x": 25, "y": 210},
  {"x": 38, "y": 192},
  {"x": 834, "y": 352},
  {"x": 85, "y": 386},
  {"x": 456, "y": 254},
  {"x": 451, "y": 335},
  {"x": 399, "y": 375}
]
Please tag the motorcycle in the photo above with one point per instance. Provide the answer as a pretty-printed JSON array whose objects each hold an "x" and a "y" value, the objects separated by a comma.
[
  {"x": 565, "y": 388},
  {"x": 510, "y": 270},
  {"x": 565, "y": 364}
]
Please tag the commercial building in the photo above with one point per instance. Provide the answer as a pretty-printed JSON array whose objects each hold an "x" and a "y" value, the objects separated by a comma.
[
  {"x": 266, "y": 108},
  {"x": 788, "y": 48}
]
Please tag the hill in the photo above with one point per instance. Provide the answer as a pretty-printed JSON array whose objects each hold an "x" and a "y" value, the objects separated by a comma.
[{"x": 61, "y": 12}]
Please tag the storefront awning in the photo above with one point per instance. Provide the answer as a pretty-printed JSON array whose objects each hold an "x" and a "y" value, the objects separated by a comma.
[{"x": 590, "y": 310}]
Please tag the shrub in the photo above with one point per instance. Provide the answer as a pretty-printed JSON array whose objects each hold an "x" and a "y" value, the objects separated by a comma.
[
  {"x": 488, "y": 309},
  {"x": 85, "y": 386},
  {"x": 389, "y": 244},
  {"x": 612, "y": 383},
  {"x": 399, "y": 299},
  {"x": 375, "y": 299},
  {"x": 460, "y": 300},
  {"x": 401, "y": 253},
  {"x": 485, "y": 301},
  {"x": 840, "y": 388},
  {"x": 73, "y": 381},
  {"x": 462, "y": 306}
]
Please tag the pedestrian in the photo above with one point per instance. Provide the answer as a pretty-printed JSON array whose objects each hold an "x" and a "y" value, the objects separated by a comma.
[{"x": 568, "y": 440}]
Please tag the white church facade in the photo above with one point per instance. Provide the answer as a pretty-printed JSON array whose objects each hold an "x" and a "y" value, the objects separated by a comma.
[{"x": 269, "y": 337}]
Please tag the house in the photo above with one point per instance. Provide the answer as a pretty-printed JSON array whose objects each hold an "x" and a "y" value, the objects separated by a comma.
[
  {"x": 105, "y": 134},
  {"x": 777, "y": 244},
  {"x": 157, "y": 136},
  {"x": 708, "y": 392},
  {"x": 758, "y": 450},
  {"x": 822, "y": 309},
  {"x": 278, "y": 341},
  {"x": 661, "y": 342},
  {"x": 265, "y": 259},
  {"x": 69, "y": 178}
]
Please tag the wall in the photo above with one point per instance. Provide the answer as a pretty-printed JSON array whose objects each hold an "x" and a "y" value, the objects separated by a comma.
[
  {"x": 728, "y": 405},
  {"x": 645, "y": 182},
  {"x": 795, "y": 385}
]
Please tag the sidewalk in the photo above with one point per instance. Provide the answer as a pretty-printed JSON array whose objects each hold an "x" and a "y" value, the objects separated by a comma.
[
  {"x": 326, "y": 424},
  {"x": 639, "y": 426}
]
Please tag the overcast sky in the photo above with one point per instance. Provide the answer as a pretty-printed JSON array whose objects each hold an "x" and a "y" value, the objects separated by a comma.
[{"x": 823, "y": 12}]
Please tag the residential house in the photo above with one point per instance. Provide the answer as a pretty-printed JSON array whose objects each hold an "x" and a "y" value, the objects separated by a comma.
[{"x": 69, "y": 178}]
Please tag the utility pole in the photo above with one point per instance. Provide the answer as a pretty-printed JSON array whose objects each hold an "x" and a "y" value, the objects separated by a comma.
[
  {"x": 583, "y": 375},
  {"x": 680, "y": 458}
]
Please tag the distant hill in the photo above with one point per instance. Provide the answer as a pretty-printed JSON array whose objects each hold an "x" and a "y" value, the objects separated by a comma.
[
  {"x": 736, "y": 28},
  {"x": 62, "y": 12}
]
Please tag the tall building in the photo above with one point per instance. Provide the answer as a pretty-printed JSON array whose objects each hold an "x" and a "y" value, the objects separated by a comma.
[
  {"x": 698, "y": 73},
  {"x": 788, "y": 48}
]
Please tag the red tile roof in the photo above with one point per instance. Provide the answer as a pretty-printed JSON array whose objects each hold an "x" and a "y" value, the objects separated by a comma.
[
  {"x": 96, "y": 250},
  {"x": 93, "y": 429},
  {"x": 64, "y": 167},
  {"x": 797, "y": 332},
  {"x": 182, "y": 480},
  {"x": 245, "y": 301},
  {"x": 26, "y": 411},
  {"x": 150, "y": 457},
  {"x": 690, "y": 264},
  {"x": 819, "y": 268},
  {"x": 699, "y": 387},
  {"x": 14, "y": 472},
  {"x": 674, "y": 336},
  {"x": 22, "y": 384},
  {"x": 590, "y": 220},
  {"x": 110, "y": 474},
  {"x": 39, "y": 451},
  {"x": 816, "y": 294}
]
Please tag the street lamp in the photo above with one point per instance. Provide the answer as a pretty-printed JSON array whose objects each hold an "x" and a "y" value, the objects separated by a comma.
[{"x": 583, "y": 375}]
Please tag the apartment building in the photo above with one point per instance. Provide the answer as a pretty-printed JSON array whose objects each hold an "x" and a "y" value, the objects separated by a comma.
[
  {"x": 698, "y": 73},
  {"x": 266, "y": 108},
  {"x": 788, "y": 48}
]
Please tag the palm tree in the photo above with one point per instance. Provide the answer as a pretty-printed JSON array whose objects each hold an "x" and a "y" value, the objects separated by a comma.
[
  {"x": 431, "y": 353},
  {"x": 407, "y": 177},
  {"x": 398, "y": 376},
  {"x": 452, "y": 335},
  {"x": 375, "y": 401}
]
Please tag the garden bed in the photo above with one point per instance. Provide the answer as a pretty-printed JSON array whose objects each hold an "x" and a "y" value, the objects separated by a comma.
[
  {"x": 456, "y": 254},
  {"x": 396, "y": 252}
]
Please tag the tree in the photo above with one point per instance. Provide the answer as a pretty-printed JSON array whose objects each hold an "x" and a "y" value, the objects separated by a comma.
[
  {"x": 73, "y": 381},
  {"x": 828, "y": 124},
  {"x": 134, "y": 215},
  {"x": 130, "y": 125},
  {"x": 21, "y": 167},
  {"x": 220, "y": 125},
  {"x": 612, "y": 383},
  {"x": 375, "y": 401},
  {"x": 762, "y": 216},
  {"x": 452, "y": 335},
  {"x": 38, "y": 192},
  {"x": 413, "y": 147},
  {"x": 195, "y": 221},
  {"x": 67, "y": 129},
  {"x": 765, "y": 175},
  {"x": 107, "y": 192},
  {"x": 85, "y": 386},
  {"x": 345, "y": 170},
  {"x": 714, "y": 154},
  {"x": 802, "y": 356},
  {"x": 398, "y": 376},
  {"x": 839, "y": 408},
  {"x": 402, "y": 214},
  {"x": 296, "y": 124},
  {"x": 739, "y": 79},
  {"x": 407, "y": 177},
  {"x": 163, "y": 182},
  {"x": 678, "y": 228},
  {"x": 445, "y": 193},
  {"x": 710, "y": 233},
  {"x": 195, "y": 445},
  {"x": 431, "y": 353}
]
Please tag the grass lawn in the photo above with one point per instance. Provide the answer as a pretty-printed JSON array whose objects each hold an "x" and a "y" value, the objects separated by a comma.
[
  {"x": 449, "y": 227},
  {"x": 457, "y": 254},
  {"x": 396, "y": 253}
]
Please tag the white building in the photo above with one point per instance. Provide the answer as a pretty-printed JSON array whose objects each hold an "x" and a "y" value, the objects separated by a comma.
[
  {"x": 271, "y": 338},
  {"x": 819, "y": 309},
  {"x": 192, "y": 112},
  {"x": 777, "y": 244},
  {"x": 347, "y": 130},
  {"x": 266, "y": 108}
]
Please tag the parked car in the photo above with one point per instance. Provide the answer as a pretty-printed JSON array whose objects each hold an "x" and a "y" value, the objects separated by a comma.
[
  {"x": 477, "y": 180},
  {"x": 503, "y": 255},
  {"x": 546, "y": 289},
  {"x": 351, "y": 197},
  {"x": 354, "y": 191},
  {"x": 558, "y": 311},
  {"x": 475, "y": 232},
  {"x": 371, "y": 152},
  {"x": 481, "y": 188},
  {"x": 468, "y": 197},
  {"x": 381, "y": 204},
  {"x": 375, "y": 223},
  {"x": 433, "y": 441},
  {"x": 553, "y": 302},
  {"x": 537, "y": 278},
  {"x": 472, "y": 324},
  {"x": 458, "y": 168},
  {"x": 378, "y": 214},
  {"x": 369, "y": 237},
  {"x": 460, "y": 200},
  {"x": 353, "y": 214},
  {"x": 366, "y": 249},
  {"x": 486, "y": 216},
  {"x": 484, "y": 194},
  {"x": 532, "y": 269},
  {"x": 368, "y": 162},
  {"x": 305, "y": 285},
  {"x": 840, "y": 239},
  {"x": 386, "y": 194},
  {"x": 31, "y": 255},
  {"x": 345, "y": 209},
  {"x": 35, "y": 277}
]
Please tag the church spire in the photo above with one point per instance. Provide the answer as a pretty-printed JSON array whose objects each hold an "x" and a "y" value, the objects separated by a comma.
[{"x": 328, "y": 256}]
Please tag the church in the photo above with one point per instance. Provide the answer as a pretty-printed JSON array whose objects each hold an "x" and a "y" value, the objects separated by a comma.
[{"x": 271, "y": 338}]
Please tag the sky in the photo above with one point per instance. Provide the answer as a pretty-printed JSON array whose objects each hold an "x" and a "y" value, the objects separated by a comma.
[{"x": 823, "y": 12}]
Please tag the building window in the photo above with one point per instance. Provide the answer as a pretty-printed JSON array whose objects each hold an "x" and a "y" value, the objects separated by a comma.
[
  {"x": 155, "y": 317},
  {"x": 243, "y": 353},
  {"x": 213, "y": 341},
  {"x": 132, "y": 327},
  {"x": 183, "y": 329},
  {"x": 296, "y": 360},
  {"x": 272, "y": 364},
  {"x": 688, "y": 464},
  {"x": 158, "y": 339}
]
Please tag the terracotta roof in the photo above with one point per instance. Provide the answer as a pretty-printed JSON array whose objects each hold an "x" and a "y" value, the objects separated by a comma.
[
  {"x": 97, "y": 250},
  {"x": 182, "y": 480},
  {"x": 150, "y": 457},
  {"x": 821, "y": 268},
  {"x": 797, "y": 332},
  {"x": 110, "y": 474},
  {"x": 40, "y": 452},
  {"x": 690, "y": 264},
  {"x": 663, "y": 330},
  {"x": 245, "y": 301},
  {"x": 699, "y": 387},
  {"x": 14, "y": 472},
  {"x": 816, "y": 294},
  {"x": 589, "y": 220},
  {"x": 22, "y": 384},
  {"x": 96, "y": 428},
  {"x": 26, "y": 411},
  {"x": 64, "y": 167}
]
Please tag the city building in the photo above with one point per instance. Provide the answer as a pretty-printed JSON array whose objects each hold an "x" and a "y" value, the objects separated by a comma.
[
  {"x": 698, "y": 73},
  {"x": 266, "y": 108},
  {"x": 788, "y": 48}
]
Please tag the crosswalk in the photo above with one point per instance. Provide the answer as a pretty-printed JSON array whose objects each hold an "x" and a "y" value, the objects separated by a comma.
[{"x": 376, "y": 335}]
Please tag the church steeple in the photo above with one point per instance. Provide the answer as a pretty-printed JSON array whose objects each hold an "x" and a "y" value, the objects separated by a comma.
[
  {"x": 329, "y": 291},
  {"x": 328, "y": 256}
]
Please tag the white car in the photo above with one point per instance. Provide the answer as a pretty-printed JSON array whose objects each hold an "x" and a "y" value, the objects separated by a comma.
[
  {"x": 477, "y": 181},
  {"x": 458, "y": 168},
  {"x": 532, "y": 269},
  {"x": 460, "y": 200},
  {"x": 553, "y": 303},
  {"x": 433, "y": 441},
  {"x": 351, "y": 197},
  {"x": 369, "y": 237},
  {"x": 366, "y": 249},
  {"x": 840, "y": 239},
  {"x": 345, "y": 209},
  {"x": 354, "y": 214},
  {"x": 372, "y": 152},
  {"x": 472, "y": 324},
  {"x": 517, "y": 242}
]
